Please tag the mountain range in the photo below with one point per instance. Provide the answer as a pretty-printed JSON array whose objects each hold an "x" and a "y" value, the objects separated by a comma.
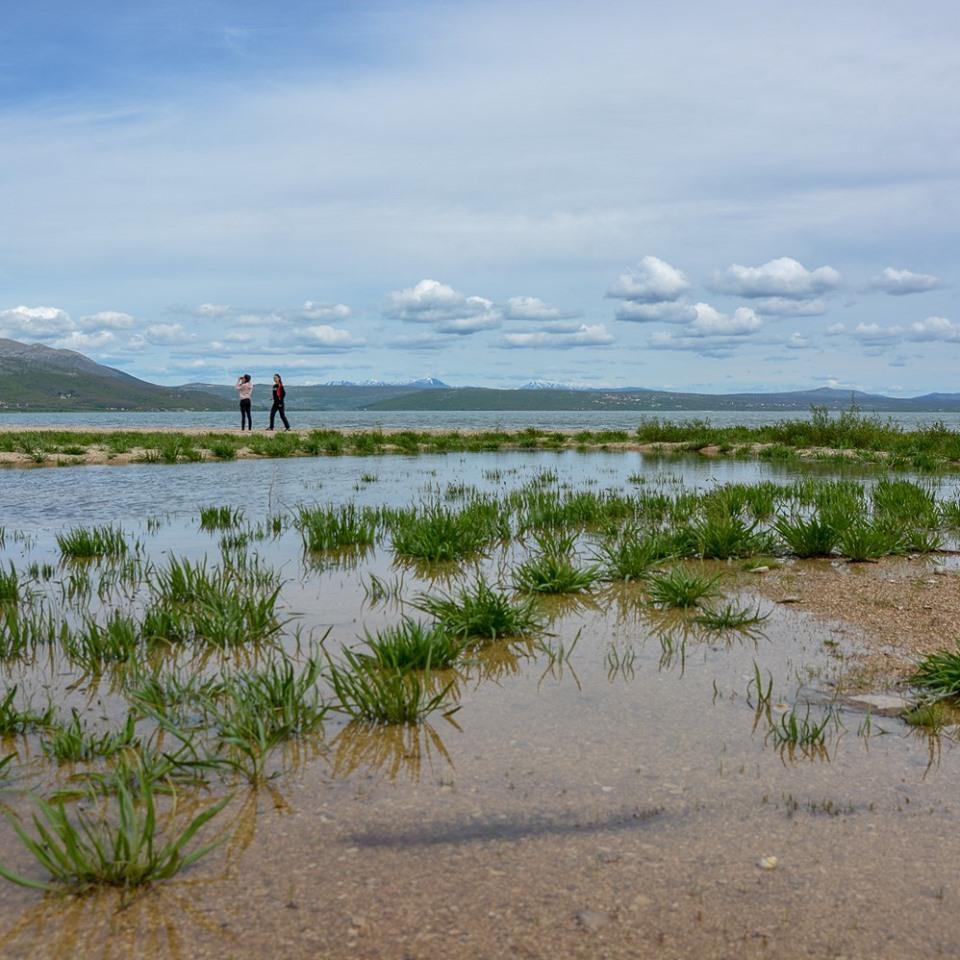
[{"x": 35, "y": 377}]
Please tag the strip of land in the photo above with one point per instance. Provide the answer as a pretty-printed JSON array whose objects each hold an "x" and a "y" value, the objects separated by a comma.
[{"x": 849, "y": 437}]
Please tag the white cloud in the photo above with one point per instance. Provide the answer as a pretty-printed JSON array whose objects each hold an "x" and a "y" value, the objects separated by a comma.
[
  {"x": 533, "y": 308},
  {"x": 423, "y": 341},
  {"x": 709, "y": 322},
  {"x": 108, "y": 320},
  {"x": 898, "y": 283},
  {"x": 835, "y": 329},
  {"x": 34, "y": 323},
  {"x": 167, "y": 334},
  {"x": 652, "y": 280},
  {"x": 311, "y": 310},
  {"x": 211, "y": 310},
  {"x": 874, "y": 333},
  {"x": 86, "y": 341},
  {"x": 783, "y": 277},
  {"x": 796, "y": 341},
  {"x": 586, "y": 335},
  {"x": 323, "y": 337},
  {"x": 666, "y": 311},
  {"x": 934, "y": 328},
  {"x": 430, "y": 301}
]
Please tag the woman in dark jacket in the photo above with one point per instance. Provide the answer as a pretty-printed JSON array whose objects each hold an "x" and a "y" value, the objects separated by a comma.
[{"x": 278, "y": 396}]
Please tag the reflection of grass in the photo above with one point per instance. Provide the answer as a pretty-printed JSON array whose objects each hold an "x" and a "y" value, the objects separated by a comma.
[
  {"x": 391, "y": 750},
  {"x": 730, "y": 617}
]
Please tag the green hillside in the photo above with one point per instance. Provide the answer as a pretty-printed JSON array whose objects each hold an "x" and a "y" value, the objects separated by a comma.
[{"x": 38, "y": 378}]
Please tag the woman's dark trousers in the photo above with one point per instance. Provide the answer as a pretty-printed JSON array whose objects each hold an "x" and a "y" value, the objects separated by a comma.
[
  {"x": 245, "y": 419},
  {"x": 274, "y": 410}
]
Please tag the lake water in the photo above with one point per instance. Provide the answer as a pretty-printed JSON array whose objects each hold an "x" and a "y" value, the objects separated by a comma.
[
  {"x": 441, "y": 420},
  {"x": 614, "y": 803}
]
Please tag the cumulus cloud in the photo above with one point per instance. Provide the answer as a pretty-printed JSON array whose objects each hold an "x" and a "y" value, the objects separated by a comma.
[
  {"x": 899, "y": 283},
  {"x": 933, "y": 328},
  {"x": 652, "y": 280},
  {"x": 796, "y": 341},
  {"x": 76, "y": 340},
  {"x": 324, "y": 338},
  {"x": 835, "y": 329},
  {"x": 534, "y": 309},
  {"x": 709, "y": 322},
  {"x": 875, "y": 333},
  {"x": 35, "y": 323},
  {"x": 586, "y": 335},
  {"x": 781, "y": 278},
  {"x": 430, "y": 301}
]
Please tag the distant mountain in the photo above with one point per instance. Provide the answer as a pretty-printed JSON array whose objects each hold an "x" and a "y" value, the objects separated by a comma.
[
  {"x": 553, "y": 385},
  {"x": 424, "y": 383},
  {"x": 35, "y": 377},
  {"x": 655, "y": 401}
]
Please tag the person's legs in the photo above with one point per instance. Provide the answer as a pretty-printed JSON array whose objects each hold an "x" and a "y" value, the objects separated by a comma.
[
  {"x": 273, "y": 413},
  {"x": 283, "y": 417},
  {"x": 245, "y": 418}
]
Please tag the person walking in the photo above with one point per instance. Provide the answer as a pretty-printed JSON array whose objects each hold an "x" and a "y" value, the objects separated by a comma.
[
  {"x": 278, "y": 397},
  {"x": 245, "y": 390}
]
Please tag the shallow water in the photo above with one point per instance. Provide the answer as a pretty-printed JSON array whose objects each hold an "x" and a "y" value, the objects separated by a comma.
[{"x": 616, "y": 804}]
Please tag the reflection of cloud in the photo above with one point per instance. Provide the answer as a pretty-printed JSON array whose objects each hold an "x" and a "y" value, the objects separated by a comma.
[{"x": 898, "y": 283}]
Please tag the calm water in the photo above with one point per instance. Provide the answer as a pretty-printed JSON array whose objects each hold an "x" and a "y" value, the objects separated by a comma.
[
  {"x": 445, "y": 420},
  {"x": 634, "y": 781}
]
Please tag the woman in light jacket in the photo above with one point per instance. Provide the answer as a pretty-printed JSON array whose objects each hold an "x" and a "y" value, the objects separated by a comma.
[{"x": 245, "y": 389}]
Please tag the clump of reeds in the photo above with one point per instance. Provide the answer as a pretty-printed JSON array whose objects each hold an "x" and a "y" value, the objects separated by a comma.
[
  {"x": 553, "y": 568},
  {"x": 73, "y": 742},
  {"x": 83, "y": 543},
  {"x": 481, "y": 612},
  {"x": 631, "y": 554},
  {"x": 333, "y": 528},
  {"x": 678, "y": 587},
  {"x": 939, "y": 673},
  {"x": 220, "y": 518},
  {"x": 80, "y": 850},
  {"x": 811, "y": 536},
  {"x": 437, "y": 533},
  {"x": 412, "y": 645}
]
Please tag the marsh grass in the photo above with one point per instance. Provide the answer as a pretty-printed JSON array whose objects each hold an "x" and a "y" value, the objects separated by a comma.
[
  {"x": 10, "y": 587},
  {"x": 553, "y": 568},
  {"x": 631, "y": 554},
  {"x": 220, "y": 518},
  {"x": 481, "y": 612},
  {"x": 333, "y": 528},
  {"x": 796, "y": 731},
  {"x": 412, "y": 645},
  {"x": 680, "y": 588},
  {"x": 438, "y": 534},
  {"x": 720, "y": 535},
  {"x": 73, "y": 742},
  {"x": 80, "y": 850},
  {"x": 863, "y": 540},
  {"x": 97, "y": 644},
  {"x": 14, "y": 719},
  {"x": 806, "y": 537},
  {"x": 365, "y": 692},
  {"x": 82, "y": 543},
  {"x": 939, "y": 673}
]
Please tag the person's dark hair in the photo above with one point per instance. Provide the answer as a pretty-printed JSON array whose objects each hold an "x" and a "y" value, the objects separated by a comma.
[
  {"x": 277, "y": 375},
  {"x": 246, "y": 378}
]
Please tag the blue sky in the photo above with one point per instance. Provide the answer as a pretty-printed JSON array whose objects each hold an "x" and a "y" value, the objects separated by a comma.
[{"x": 709, "y": 196}]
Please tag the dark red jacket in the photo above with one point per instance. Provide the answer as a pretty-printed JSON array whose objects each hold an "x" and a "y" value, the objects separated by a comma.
[{"x": 278, "y": 394}]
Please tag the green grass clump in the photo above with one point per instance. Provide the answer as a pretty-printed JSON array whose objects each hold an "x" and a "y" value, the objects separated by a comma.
[
  {"x": 438, "y": 534},
  {"x": 723, "y": 536},
  {"x": 72, "y": 742},
  {"x": 862, "y": 540},
  {"x": 10, "y": 588},
  {"x": 220, "y": 518},
  {"x": 481, "y": 612},
  {"x": 631, "y": 554},
  {"x": 82, "y": 543},
  {"x": 807, "y": 536},
  {"x": 367, "y": 693},
  {"x": 553, "y": 568},
  {"x": 333, "y": 528},
  {"x": 792, "y": 730},
  {"x": 81, "y": 851},
  {"x": 412, "y": 645},
  {"x": 16, "y": 720},
  {"x": 114, "y": 641},
  {"x": 678, "y": 587},
  {"x": 939, "y": 673}
]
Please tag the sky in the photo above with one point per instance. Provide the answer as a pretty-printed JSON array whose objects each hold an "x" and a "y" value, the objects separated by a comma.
[{"x": 710, "y": 196}]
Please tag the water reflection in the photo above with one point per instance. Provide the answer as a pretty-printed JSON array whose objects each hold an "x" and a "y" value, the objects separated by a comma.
[{"x": 398, "y": 750}]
